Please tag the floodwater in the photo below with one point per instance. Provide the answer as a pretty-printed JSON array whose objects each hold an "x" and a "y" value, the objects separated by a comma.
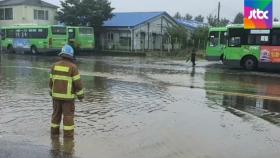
[{"x": 142, "y": 108}]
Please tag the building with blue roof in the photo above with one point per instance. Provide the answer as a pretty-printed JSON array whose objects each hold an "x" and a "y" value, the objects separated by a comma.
[
  {"x": 191, "y": 24},
  {"x": 136, "y": 31}
]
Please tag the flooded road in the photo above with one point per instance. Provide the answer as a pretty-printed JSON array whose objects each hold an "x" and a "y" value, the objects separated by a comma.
[{"x": 142, "y": 108}]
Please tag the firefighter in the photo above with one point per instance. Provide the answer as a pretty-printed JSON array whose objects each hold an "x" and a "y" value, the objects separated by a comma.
[{"x": 65, "y": 84}]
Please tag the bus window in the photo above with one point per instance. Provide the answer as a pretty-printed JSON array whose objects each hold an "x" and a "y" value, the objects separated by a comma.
[
  {"x": 71, "y": 33},
  {"x": 237, "y": 37},
  {"x": 59, "y": 30},
  {"x": 235, "y": 41},
  {"x": 86, "y": 31},
  {"x": 214, "y": 39},
  {"x": 223, "y": 39},
  {"x": 10, "y": 33},
  {"x": 263, "y": 39},
  {"x": 40, "y": 33},
  {"x": 258, "y": 39},
  {"x": 276, "y": 37},
  {"x": 18, "y": 33},
  {"x": 276, "y": 40},
  {"x": 251, "y": 39},
  {"x": 3, "y": 34}
]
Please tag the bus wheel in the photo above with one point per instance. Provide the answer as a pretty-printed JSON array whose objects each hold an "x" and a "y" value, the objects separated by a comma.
[
  {"x": 34, "y": 50},
  {"x": 250, "y": 63},
  {"x": 10, "y": 49}
]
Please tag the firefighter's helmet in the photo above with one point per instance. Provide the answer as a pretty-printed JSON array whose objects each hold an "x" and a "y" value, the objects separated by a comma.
[{"x": 67, "y": 51}]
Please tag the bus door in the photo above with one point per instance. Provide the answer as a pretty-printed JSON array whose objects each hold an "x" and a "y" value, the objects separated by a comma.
[
  {"x": 236, "y": 39},
  {"x": 213, "y": 49},
  {"x": 223, "y": 43},
  {"x": 86, "y": 37},
  {"x": 71, "y": 34},
  {"x": 59, "y": 36},
  {"x": 72, "y": 37}
]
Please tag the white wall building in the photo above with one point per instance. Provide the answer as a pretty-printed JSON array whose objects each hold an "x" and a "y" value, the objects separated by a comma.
[
  {"x": 136, "y": 31},
  {"x": 14, "y": 12}
]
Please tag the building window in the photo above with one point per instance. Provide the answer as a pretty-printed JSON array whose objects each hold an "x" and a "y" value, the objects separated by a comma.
[
  {"x": 41, "y": 15},
  {"x": 35, "y": 14},
  {"x": 110, "y": 36},
  {"x": 2, "y": 14},
  {"x": 6, "y": 14},
  {"x": 125, "y": 41},
  {"x": 46, "y": 15}
]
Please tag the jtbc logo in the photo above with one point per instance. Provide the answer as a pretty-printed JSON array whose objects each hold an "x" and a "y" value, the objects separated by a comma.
[{"x": 258, "y": 14}]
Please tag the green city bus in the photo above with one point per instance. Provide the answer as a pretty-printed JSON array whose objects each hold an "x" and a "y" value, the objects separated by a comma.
[
  {"x": 252, "y": 49},
  {"x": 34, "y": 38},
  {"x": 216, "y": 43},
  {"x": 82, "y": 38}
]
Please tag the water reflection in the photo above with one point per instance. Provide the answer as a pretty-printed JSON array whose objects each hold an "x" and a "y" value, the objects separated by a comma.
[
  {"x": 242, "y": 82},
  {"x": 192, "y": 79},
  {"x": 139, "y": 101},
  {"x": 266, "y": 109},
  {"x": 111, "y": 103},
  {"x": 245, "y": 91},
  {"x": 62, "y": 149},
  {"x": 193, "y": 72}
]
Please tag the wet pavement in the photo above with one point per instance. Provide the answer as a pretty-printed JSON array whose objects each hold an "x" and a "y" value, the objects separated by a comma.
[{"x": 139, "y": 107}]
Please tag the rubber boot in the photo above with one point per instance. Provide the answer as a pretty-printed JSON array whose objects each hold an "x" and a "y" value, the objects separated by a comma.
[{"x": 54, "y": 131}]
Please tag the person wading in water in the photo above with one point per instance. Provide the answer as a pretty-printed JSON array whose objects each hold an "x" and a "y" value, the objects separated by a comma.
[{"x": 65, "y": 84}]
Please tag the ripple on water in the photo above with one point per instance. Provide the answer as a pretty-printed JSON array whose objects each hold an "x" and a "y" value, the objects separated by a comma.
[
  {"x": 108, "y": 107},
  {"x": 121, "y": 106}
]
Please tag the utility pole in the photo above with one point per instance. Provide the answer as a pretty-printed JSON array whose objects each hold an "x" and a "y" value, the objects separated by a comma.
[{"x": 219, "y": 10}]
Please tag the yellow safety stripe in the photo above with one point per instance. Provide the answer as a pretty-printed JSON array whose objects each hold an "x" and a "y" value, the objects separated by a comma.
[
  {"x": 69, "y": 94},
  {"x": 63, "y": 96},
  {"x": 64, "y": 78},
  {"x": 69, "y": 128},
  {"x": 51, "y": 76},
  {"x": 54, "y": 125},
  {"x": 61, "y": 68},
  {"x": 81, "y": 92},
  {"x": 77, "y": 77}
]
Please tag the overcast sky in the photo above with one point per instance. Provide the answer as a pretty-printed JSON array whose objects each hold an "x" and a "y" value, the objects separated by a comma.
[{"x": 229, "y": 8}]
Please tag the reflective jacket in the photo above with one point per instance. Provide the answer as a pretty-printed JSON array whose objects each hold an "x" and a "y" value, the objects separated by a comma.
[{"x": 65, "y": 81}]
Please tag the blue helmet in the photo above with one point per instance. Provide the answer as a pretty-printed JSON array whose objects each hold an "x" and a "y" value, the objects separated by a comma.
[{"x": 67, "y": 51}]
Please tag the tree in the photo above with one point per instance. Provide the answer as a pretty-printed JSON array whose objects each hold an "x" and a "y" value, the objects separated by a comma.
[
  {"x": 85, "y": 13},
  {"x": 224, "y": 22},
  {"x": 238, "y": 19},
  {"x": 69, "y": 13},
  {"x": 212, "y": 20},
  {"x": 178, "y": 34},
  {"x": 199, "y": 18},
  {"x": 200, "y": 37},
  {"x": 188, "y": 17},
  {"x": 177, "y": 16}
]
